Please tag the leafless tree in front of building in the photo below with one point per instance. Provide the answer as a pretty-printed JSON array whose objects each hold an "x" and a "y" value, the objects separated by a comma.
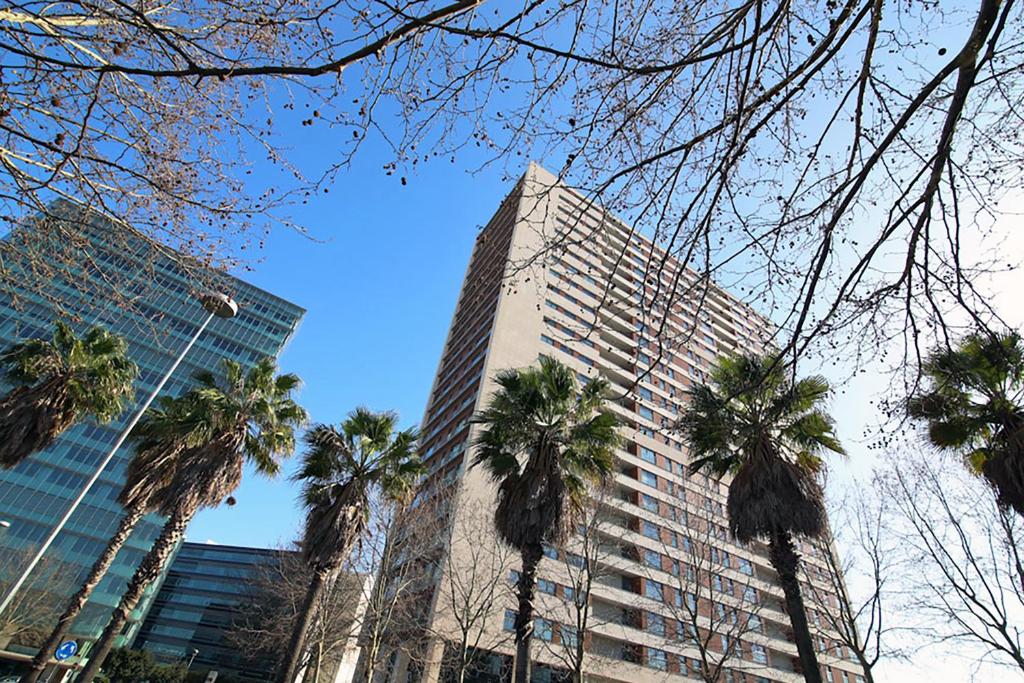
[
  {"x": 716, "y": 610},
  {"x": 271, "y": 600},
  {"x": 34, "y": 610},
  {"x": 965, "y": 583}
]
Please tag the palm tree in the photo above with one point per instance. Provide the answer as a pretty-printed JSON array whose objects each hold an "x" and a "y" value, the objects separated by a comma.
[
  {"x": 544, "y": 441},
  {"x": 56, "y": 383},
  {"x": 975, "y": 406},
  {"x": 147, "y": 488},
  {"x": 196, "y": 446},
  {"x": 342, "y": 469},
  {"x": 755, "y": 423}
]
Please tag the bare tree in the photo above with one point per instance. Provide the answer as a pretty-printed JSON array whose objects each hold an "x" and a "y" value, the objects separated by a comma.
[
  {"x": 400, "y": 565},
  {"x": 28, "y": 619},
  {"x": 967, "y": 583},
  {"x": 472, "y": 587},
  {"x": 853, "y": 598},
  {"x": 153, "y": 113},
  {"x": 584, "y": 562},
  {"x": 273, "y": 599},
  {"x": 716, "y": 611},
  {"x": 832, "y": 161},
  {"x": 583, "y": 558}
]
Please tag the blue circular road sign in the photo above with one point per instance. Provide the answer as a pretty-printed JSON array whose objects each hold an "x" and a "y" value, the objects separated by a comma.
[{"x": 67, "y": 649}]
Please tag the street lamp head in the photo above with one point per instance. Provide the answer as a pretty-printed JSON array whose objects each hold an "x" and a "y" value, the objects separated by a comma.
[
  {"x": 4, "y": 524},
  {"x": 221, "y": 305}
]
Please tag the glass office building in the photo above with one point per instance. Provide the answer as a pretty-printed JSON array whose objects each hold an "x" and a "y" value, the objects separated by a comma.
[
  {"x": 156, "y": 310},
  {"x": 195, "y": 607}
]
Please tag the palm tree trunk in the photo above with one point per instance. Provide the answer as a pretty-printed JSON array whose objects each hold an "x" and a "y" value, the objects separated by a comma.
[
  {"x": 524, "y": 617},
  {"x": 147, "y": 572},
  {"x": 784, "y": 558},
  {"x": 297, "y": 642},
  {"x": 74, "y": 607}
]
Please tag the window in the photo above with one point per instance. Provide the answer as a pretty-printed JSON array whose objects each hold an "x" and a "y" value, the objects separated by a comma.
[
  {"x": 656, "y": 623},
  {"x": 648, "y": 478},
  {"x": 654, "y": 590},
  {"x": 754, "y": 623},
  {"x": 686, "y": 632},
  {"x": 745, "y": 566},
  {"x": 750, "y": 594},
  {"x": 645, "y": 412},
  {"x": 651, "y": 530},
  {"x": 550, "y": 552},
  {"x": 570, "y": 636},
  {"x": 645, "y": 393},
  {"x": 691, "y": 601},
  {"x": 649, "y": 503},
  {"x": 726, "y": 643},
  {"x": 569, "y": 593},
  {"x": 510, "y": 620},
  {"x": 758, "y": 653},
  {"x": 542, "y": 629},
  {"x": 647, "y": 455},
  {"x": 513, "y": 576},
  {"x": 657, "y": 659},
  {"x": 652, "y": 558},
  {"x": 574, "y": 560},
  {"x": 545, "y": 586}
]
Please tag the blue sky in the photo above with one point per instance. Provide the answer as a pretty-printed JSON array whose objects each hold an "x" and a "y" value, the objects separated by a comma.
[{"x": 380, "y": 287}]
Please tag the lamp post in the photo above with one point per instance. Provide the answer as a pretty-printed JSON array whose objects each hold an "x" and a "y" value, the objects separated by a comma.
[
  {"x": 216, "y": 305},
  {"x": 191, "y": 659}
]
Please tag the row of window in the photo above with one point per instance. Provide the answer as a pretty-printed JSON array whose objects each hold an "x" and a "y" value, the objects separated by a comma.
[{"x": 544, "y": 629}]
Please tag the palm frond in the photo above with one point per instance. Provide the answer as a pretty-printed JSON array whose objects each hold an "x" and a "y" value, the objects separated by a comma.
[
  {"x": 56, "y": 383},
  {"x": 208, "y": 433},
  {"x": 754, "y": 422},
  {"x": 342, "y": 467},
  {"x": 972, "y": 405},
  {"x": 546, "y": 442}
]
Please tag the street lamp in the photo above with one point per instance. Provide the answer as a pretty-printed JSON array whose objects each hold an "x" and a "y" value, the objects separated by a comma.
[
  {"x": 191, "y": 659},
  {"x": 4, "y": 524},
  {"x": 216, "y": 305}
]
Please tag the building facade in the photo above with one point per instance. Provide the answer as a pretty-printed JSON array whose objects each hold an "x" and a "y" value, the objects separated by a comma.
[
  {"x": 670, "y": 596},
  {"x": 199, "y": 614},
  {"x": 190, "y": 617},
  {"x": 156, "y": 310}
]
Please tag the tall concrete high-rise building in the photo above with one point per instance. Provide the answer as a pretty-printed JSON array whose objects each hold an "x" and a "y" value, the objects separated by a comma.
[
  {"x": 671, "y": 594},
  {"x": 148, "y": 295}
]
